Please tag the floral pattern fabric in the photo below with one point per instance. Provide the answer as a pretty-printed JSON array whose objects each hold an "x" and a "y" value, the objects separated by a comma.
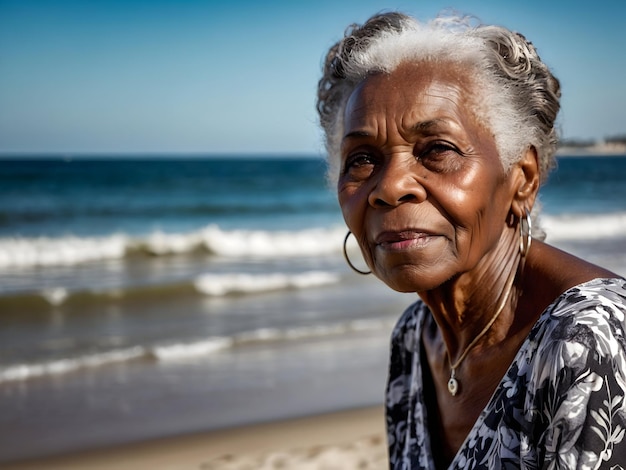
[{"x": 561, "y": 404}]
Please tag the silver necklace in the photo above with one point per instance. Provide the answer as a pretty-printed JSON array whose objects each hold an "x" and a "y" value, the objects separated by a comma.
[{"x": 453, "y": 383}]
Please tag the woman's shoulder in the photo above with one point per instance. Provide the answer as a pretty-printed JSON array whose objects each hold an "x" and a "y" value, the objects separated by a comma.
[
  {"x": 569, "y": 379},
  {"x": 560, "y": 269},
  {"x": 579, "y": 339},
  {"x": 590, "y": 315},
  {"x": 551, "y": 275},
  {"x": 604, "y": 294}
]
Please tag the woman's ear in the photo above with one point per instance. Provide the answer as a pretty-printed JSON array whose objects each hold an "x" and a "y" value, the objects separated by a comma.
[{"x": 525, "y": 182}]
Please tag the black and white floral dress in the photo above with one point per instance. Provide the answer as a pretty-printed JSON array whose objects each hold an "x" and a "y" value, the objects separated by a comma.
[{"x": 560, "y": 405}]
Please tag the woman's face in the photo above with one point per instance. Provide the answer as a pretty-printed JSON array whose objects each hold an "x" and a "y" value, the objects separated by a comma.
[{"x": 422, "y": 186}]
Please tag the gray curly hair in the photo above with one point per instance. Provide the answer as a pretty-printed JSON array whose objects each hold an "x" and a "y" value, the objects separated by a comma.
[{"x": 519, "y": 96}]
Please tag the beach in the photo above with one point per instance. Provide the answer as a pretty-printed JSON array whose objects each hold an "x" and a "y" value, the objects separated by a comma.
[
  {"x": 351, "y": 439},
  {"x": 187, "y": 313}
]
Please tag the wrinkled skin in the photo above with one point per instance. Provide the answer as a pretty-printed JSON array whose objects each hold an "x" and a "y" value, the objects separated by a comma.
[
  {"x": 423, "y": 189},
  {"x": 422, "y": 186}
]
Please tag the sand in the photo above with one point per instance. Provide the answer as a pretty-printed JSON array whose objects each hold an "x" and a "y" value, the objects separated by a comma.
[{"x": 345, "y": 440}]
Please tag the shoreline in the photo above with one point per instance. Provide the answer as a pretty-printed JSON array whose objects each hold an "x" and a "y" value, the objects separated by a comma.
[{"x": 353, "y": 438}]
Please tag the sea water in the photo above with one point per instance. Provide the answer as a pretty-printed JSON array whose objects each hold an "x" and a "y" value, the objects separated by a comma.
[{"x": 143, "y": 297}]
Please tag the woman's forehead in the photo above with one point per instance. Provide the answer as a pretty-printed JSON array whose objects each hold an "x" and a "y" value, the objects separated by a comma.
[{"x": 415, "y": 93}]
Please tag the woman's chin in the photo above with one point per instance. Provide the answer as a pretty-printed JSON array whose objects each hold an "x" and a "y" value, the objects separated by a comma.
[{"x": 410, "y": 278}]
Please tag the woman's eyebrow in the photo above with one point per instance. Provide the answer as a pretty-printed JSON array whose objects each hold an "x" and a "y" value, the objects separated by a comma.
[
  {"x": 356, "y": 134},
  {"x": 420, "y": 128},
  {"x": 424, "y": 127}
]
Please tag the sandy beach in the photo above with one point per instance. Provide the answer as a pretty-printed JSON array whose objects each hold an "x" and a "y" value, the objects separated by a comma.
[{"x": 345, "y": 440}]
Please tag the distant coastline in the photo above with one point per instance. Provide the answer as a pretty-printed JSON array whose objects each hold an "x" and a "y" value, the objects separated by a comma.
[{"x": 596, "y": 149}]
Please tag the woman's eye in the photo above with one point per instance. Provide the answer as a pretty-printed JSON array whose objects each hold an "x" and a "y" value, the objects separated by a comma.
[
  {"x": 440, "y": 156},
  {"x": 438, "y": 149},
  {"x": 359, "y": 159},
  {"x": 359, "y": 164}
]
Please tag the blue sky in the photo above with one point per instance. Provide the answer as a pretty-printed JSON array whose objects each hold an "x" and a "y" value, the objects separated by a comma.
[{"x": 240, "y": 76}]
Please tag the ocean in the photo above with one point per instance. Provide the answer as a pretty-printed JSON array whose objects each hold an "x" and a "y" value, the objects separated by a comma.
[{"x": 151, "y": 297}]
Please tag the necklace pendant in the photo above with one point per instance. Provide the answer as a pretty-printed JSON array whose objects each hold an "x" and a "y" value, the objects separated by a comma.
[{"x": 453, "y": 384}]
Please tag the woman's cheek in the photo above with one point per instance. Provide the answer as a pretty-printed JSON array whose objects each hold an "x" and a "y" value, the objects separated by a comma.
[{"x": 352, "y": 207}]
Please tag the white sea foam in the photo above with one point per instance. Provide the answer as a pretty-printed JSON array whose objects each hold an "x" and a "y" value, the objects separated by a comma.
[
  {"x": 72, "y": 250},
  {"x": 160, "y": 243},
  {"x": 315, "y": 331},
  {"x": 223, "y": 284},
  {"x": 55, "y": 296},
  {"x": 62, "y": 251},
  {"x": 63, "y": 366},
  {"x": 172, "y": 352},
  {"x": 205, "y": 347},
  {"x": 260, "y": 335},
  {"x": 258, "y": 243},
  {"x": 584, "y": 227},
  {"x": 183, "y": 351}
]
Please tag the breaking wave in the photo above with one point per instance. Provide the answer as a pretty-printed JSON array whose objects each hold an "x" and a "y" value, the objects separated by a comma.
[
  {"x": 181, "y": 351},
  {"x": 72, "y": 250},
  {"x": 209, "y": 285},
  {"x": 576, "y": 227}
]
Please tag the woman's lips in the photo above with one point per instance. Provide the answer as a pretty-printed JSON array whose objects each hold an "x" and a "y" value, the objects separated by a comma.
[{"x": 404, "y": 239}]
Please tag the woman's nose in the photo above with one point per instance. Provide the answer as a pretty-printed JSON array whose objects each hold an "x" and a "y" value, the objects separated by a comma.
[{"x": 397, "y": 183}]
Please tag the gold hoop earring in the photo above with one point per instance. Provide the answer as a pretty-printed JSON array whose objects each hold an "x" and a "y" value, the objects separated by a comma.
[
  {"x": 345, "y": 255},
  {"x": 525, "y": 233}
]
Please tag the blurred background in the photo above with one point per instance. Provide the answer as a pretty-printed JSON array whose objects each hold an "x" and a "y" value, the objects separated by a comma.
[{"x": 170, "y": 252}]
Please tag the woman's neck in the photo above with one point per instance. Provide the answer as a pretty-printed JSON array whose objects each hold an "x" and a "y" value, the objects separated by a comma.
[{"x": 464, "y": 306}]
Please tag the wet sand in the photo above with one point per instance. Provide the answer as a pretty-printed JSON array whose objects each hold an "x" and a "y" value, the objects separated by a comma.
[{"x": 352, "y": 439}]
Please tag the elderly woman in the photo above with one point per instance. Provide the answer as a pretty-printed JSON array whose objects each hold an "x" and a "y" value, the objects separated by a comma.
[{"x": 439, "y": 136}]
